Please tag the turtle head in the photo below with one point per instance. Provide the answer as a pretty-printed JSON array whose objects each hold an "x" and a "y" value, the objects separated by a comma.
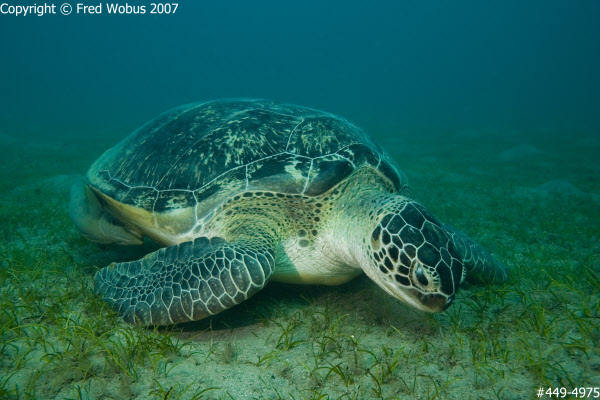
[{"x": 415, "y": 260}]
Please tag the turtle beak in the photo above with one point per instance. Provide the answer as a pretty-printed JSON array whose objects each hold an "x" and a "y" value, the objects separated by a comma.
[
  {"x": 435, "y": 303},
  {"x": 430, "y": 302}
]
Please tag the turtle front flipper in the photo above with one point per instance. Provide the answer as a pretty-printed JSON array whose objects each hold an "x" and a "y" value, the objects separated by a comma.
[
  {"x": 186, "y": 282},
  {"x": 479, "y": 264}
]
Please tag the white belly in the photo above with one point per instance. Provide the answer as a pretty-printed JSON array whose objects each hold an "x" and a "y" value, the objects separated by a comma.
[{"x": 313, "y": 264}]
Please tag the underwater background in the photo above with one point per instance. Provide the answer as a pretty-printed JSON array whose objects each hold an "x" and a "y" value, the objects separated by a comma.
[{"x": 491, "y": 109}]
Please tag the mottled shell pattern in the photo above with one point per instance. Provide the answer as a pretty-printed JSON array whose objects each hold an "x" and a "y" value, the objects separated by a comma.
[{"x": 198, "y": 155}]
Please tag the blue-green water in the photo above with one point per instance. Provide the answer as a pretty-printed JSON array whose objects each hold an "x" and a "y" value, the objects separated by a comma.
[
  {"x": 440, "y": 64},
  {"x": 491, "y": 109}
]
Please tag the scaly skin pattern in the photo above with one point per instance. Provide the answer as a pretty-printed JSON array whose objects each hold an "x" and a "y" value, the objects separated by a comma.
[
  {"x": 251, "y": 236},
  {"x": 186, "y": 282},
  {"x": 357, "y": 226},
  {"x": 399, "y": 245}
]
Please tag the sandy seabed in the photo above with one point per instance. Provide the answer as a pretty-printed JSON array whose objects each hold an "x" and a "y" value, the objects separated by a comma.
[{"x": 532, "y": 199}]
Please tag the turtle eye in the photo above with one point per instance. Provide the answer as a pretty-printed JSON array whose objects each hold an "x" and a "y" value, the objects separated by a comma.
[{"x": 421, "y": 276}]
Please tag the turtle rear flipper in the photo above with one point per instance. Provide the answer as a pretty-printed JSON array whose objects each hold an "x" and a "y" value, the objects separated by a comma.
[
  {"x": 94, "y": 222},
  {"x": 479, "y": 264},
  {"x": 186, "y": 282}
]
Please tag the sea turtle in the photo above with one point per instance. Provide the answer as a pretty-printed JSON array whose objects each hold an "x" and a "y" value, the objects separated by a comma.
[{"x": 244, "y": 191}]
